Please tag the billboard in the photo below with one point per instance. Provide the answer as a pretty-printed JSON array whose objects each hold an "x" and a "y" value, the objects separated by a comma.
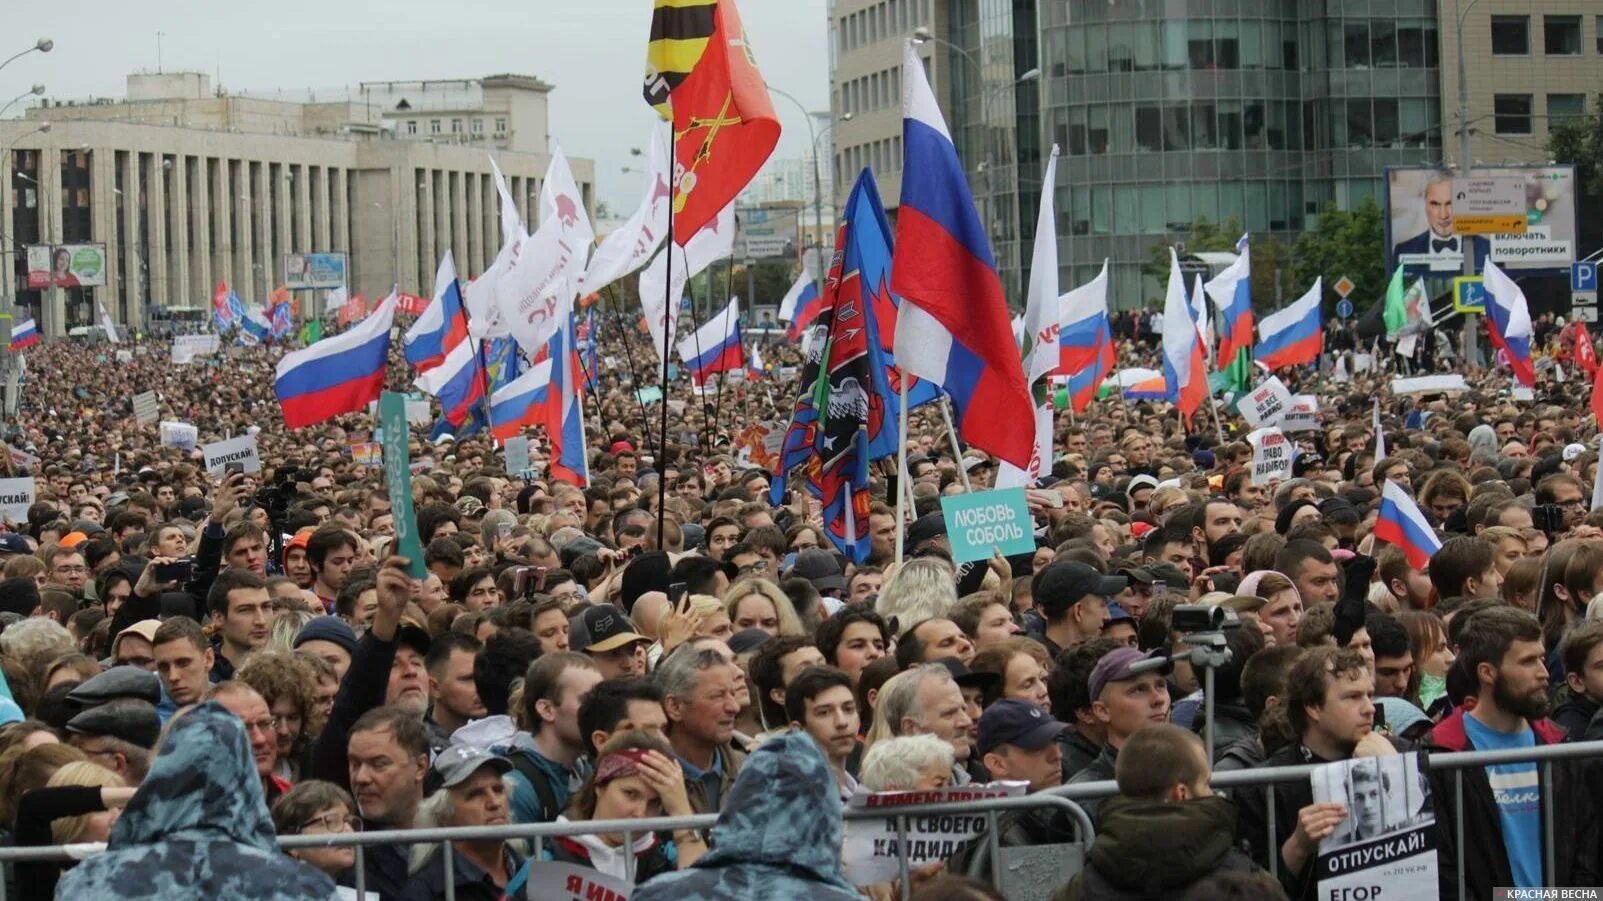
[
  {"x": 768, "y": 233},
  {"x": 1424, "y": 234},
  {"x": 66, "y": 265},
  {"x": 314, "y": 270}
]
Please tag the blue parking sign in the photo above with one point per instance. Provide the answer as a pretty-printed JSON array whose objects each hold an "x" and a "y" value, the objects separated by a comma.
[{"x": 1583, "y": 276}]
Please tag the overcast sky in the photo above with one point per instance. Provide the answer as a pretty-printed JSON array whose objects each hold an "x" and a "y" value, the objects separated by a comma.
[{"x": 592, "y": 50}]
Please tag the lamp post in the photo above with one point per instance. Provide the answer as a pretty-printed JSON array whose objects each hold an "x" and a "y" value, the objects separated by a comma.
[
  {"x": 818, "y": 185},
  {"x": 43, "y": 45},
  {"x": 9, "y": 296},
  {"x": 31, "y": 92},
  {"x": 1468, "y": 253}
]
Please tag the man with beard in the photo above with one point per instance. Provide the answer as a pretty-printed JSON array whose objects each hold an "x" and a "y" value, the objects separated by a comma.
[
  {"x": 1501, "y": 648},
  {"x": 1215, "y": 519}
]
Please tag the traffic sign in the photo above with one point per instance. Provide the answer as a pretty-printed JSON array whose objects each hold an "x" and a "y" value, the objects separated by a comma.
[
  {"x": 1489, "y": 205},
  {"x": 1583, "y": 276},
  {"x": 1344, "y": 308},
  {"x": 1344, "y": 286},
  {"x": 1585, "y": 314},
  {"x": 1469, "y": 294}
]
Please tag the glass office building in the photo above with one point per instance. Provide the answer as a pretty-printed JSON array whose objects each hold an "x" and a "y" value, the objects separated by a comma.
[{"x": 1167, "y": 110}]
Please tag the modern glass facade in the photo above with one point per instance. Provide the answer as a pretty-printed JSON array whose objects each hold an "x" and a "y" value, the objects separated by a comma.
[{"x": 1167, "y": 110}]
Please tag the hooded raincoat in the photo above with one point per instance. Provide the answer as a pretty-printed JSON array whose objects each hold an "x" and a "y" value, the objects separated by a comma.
[
  {"x": 197, "y": 828},
  {"x": 779, "y": 836}
]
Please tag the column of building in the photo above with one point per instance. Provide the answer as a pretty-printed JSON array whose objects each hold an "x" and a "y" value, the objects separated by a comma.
[
  {"x": 202, "y": 214},
  {"x": 54, "y": 307},
  {"x": 475, "y": 197},
  {"x": 103, "y": 223}
]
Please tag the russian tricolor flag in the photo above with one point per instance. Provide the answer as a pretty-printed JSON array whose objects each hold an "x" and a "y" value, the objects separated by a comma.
[
  {"x": 1185, "y": 369},
  {"x": 1402, "y": 524},
  {"x": 1231, "y": 291},
  {"x": 715, "y": 347},
  {"x": 1293, "y": 336},
  {"x": 336, "y": 375},
  {"x": 1085, "y": 340},
  {"x": 449, "y": 364},
  {"x": 953, "y": 327},
  {"x": 1508, "y": 319},
  {"x": 564, "y": 407},
  {"x": 1141, "y": 384},
  {"x": 754, "y": 364},
  {"x": 24, "y": 334},
  {"x": 803, "y": 302},
  {"x": 520, "y": 402}
]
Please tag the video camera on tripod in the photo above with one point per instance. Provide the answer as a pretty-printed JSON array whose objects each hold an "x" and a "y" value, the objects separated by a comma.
[{"x": 1202, "y": 629}]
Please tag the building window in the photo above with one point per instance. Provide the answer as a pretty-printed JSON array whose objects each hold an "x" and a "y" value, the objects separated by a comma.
[
  {"x": 500, "y": 125},
  {"x": 1512, "y": 114},
  {"x": 411, "y": 126},
  {"x": 1511, "y": 35},
  {"x": 1561, "y": 35},
  {"x": 1355, "y": 44},
  {"x": 456, "y": 126},
  {"x": 478, "y": 126},
  {"x": 1564, "y": 108},
  {"x": 1599, "y": 24},
  {"x": 434, "y": 126}
]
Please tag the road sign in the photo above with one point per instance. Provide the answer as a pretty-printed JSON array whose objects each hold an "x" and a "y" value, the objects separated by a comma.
[
  {"x": 1583, "y": 277},
  {"x": 1489, "y": 205},
  {"x": 1585, "y": 314},
  {"x": 1344, "y": 286},
  {"x": 1469, "y": 294},
  {"x": 1344, "y": 308}
]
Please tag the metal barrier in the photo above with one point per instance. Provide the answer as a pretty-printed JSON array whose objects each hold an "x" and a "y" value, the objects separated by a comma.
[
  {"x": 1457, "y": 761},
  {"x": 539, "y": 832}
]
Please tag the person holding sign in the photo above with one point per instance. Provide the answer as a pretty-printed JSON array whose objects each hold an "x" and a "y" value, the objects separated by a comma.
[{"x": 636, "y": 777}]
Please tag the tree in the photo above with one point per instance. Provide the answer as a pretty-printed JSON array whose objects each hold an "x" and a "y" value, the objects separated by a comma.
[
  {"x": 1269, "y": 256},
  {"x": 1580, "y": 142},
  {"x": 1345, "y": 242}
]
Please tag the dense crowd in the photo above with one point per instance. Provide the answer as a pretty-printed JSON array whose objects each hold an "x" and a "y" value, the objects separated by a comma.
[{"x": 197, "y": 664}]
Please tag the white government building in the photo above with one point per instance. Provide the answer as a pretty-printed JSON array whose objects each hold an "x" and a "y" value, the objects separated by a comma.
[{"x": 187, "y": 185}]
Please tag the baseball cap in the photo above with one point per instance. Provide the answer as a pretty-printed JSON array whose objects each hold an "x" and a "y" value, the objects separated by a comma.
[
  {"x": 926, "y": 527},
  {"x": 145, "y": 628},
  {"x": 1011, "y": 721},
  {"x": 414, "y": 636},
  {"x": 12, "y": 543},
  {"x": 1071, "y": 580},
  {"x": 73, "y": 539},
  {"x": 973, "y": 461},
  {"x": 1116, "y": 613},
  {"x": 459, "y": 762},
  {"x": 1571, "y": 451},
  {"x": 967, "y": 678},
  {"x": 1141, "y": 481},
  {"x": 819, "y": 567},
  {"x": 1138, "y": 575},
  {"x": 604, "y": 628},
  {"x": 1115, "y": 667},
  {"x": 748, "y": 640}
]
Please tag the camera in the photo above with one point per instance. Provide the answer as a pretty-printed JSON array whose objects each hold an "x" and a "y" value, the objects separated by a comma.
[
  {"x": 1203, "y": 618},
  {"x": 1548, "y": 517},
  {"x": 179, "y": 570}
]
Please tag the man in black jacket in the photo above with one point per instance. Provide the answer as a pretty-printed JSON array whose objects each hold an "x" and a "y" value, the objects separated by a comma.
[
  {"x": 1166, "y": 830},
  {"x": 1504, "y": 832}
]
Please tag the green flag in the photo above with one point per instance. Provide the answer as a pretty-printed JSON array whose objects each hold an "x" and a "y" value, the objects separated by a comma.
[{"x": 1396, "y": 313}]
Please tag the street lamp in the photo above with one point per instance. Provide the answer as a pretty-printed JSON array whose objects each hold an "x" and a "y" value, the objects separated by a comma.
[
  {"x": 818, "y": 185},
  {"x": 31, "y": 92},
  {"x": 43, "y": 45},
  {"x": 1467, "y": 252}
]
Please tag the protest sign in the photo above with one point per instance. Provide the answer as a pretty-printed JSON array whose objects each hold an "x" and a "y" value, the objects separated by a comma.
[
  {"x": 147, "y": 409},
  {"x": 124, "y": 356},
  {"x": 758, "y": 445},
  {"x": 870, "y": 852},
  {"x": 1271, "y": 456},
  {"x": 1520, "y": 392},
  {"x": 21, "y": 459},
  {"x": 1430, "y": 384},
  {"x": 179, "y": 435},
  {"x": 978, "y": 524},
  {"x": 1265, "y": 404},
  {"x": 398, "y": 479},
  {"x": 650, "y": 394},
  {"x": 236, "y": 450},
  {"x": 418, "y": 412},
  {"x": 16, "y": 496},
  {"x": 367, "y": 453},
  {"x": 517, "y": 451},
  {"x": 1302, "y": 415},
  {"x": 549, "y": 880},
  {"x": 188, "y": 347},
  {"x": 1388, "y": 837}
]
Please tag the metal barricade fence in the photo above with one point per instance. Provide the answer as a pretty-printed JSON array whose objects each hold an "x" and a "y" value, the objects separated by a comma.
[
  {"x": 1456, "y": 761},
  {"x": 539, "y": 832}
]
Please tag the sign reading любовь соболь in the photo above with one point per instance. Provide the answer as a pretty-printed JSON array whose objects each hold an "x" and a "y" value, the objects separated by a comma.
[{"x": 981, "y": 523}]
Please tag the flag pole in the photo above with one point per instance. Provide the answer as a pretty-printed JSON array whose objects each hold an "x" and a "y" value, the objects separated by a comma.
[
  {"x": 951, "y": 434},
  {"x": 695, "y": 335},
  {"x": 1214, "y": 409},
  {"x": 634, "y": 375},
  {"x": 901, "y": 473},
  {"x": 729, "y": 293},
  {"x": 667, "y": 331}
]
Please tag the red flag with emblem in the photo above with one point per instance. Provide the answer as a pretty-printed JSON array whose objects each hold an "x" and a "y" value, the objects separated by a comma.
[
  {"x": 724, "y": 125},
  {"x": 1584, "y": 354}
]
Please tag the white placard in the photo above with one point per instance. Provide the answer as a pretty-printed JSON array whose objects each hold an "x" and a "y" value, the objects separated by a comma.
[
  {"x": 1520, "y": 392},
  {"x": 16, "y": 496},
  {"x": 1388, "y": 837},
  {"x": 517, "y": 451},
  {"x": 147, "y": 409},
  {"x": 1266, "y": 404},
  {"x": 181, "y": 435},
  {"x": 1302, "y": 415},
  {"x": 870, "y": 852},
  {"x": 235, "y": 450},
  {"x": 124, "y": 356},
  {"x": 1271, "y": 456},
  {"x": 549, "y": 880},
  {"x": 1430, "y": 384}
]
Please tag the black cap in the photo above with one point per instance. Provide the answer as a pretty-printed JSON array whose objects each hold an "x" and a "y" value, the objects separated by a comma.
[
  {"x": 602, "y": 628},
  {"x": 131, "y": 720},
  {"x": 1011, "y": 721},
  {"x": 117, "y": 682},
  {"x": 1069, "y": 580},
  {"x": 926, "y": 527},
  {"x": 748, "y": 640},
  {"x": 819, "y": 567},
  {"x": 967, "y": 678}
]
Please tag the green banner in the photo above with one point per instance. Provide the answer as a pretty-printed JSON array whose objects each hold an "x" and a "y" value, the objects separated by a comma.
[{"x": 398, "y": 479}]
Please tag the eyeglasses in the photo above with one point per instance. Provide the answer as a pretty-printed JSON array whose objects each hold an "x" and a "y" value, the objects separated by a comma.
[
  {"x": 331, "y": 822},
  {"x": 1573, "y": 502},
  {"x": 71, "y": 570}
]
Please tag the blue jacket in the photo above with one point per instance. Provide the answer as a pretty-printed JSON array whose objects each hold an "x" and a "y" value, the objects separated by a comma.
[
  {"x": 778, "y": 837},
  {"x": 197, "y": 828}
]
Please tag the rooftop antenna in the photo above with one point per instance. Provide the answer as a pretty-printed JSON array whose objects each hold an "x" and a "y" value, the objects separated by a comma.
[{"x": 159, "y": 36}]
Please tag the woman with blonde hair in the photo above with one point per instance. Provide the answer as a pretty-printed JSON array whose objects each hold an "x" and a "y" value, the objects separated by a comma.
[
  {"x": 757, "y": 603},
  {"x": 922, "y": 588},
  {"x": 78, "y": 803}
]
